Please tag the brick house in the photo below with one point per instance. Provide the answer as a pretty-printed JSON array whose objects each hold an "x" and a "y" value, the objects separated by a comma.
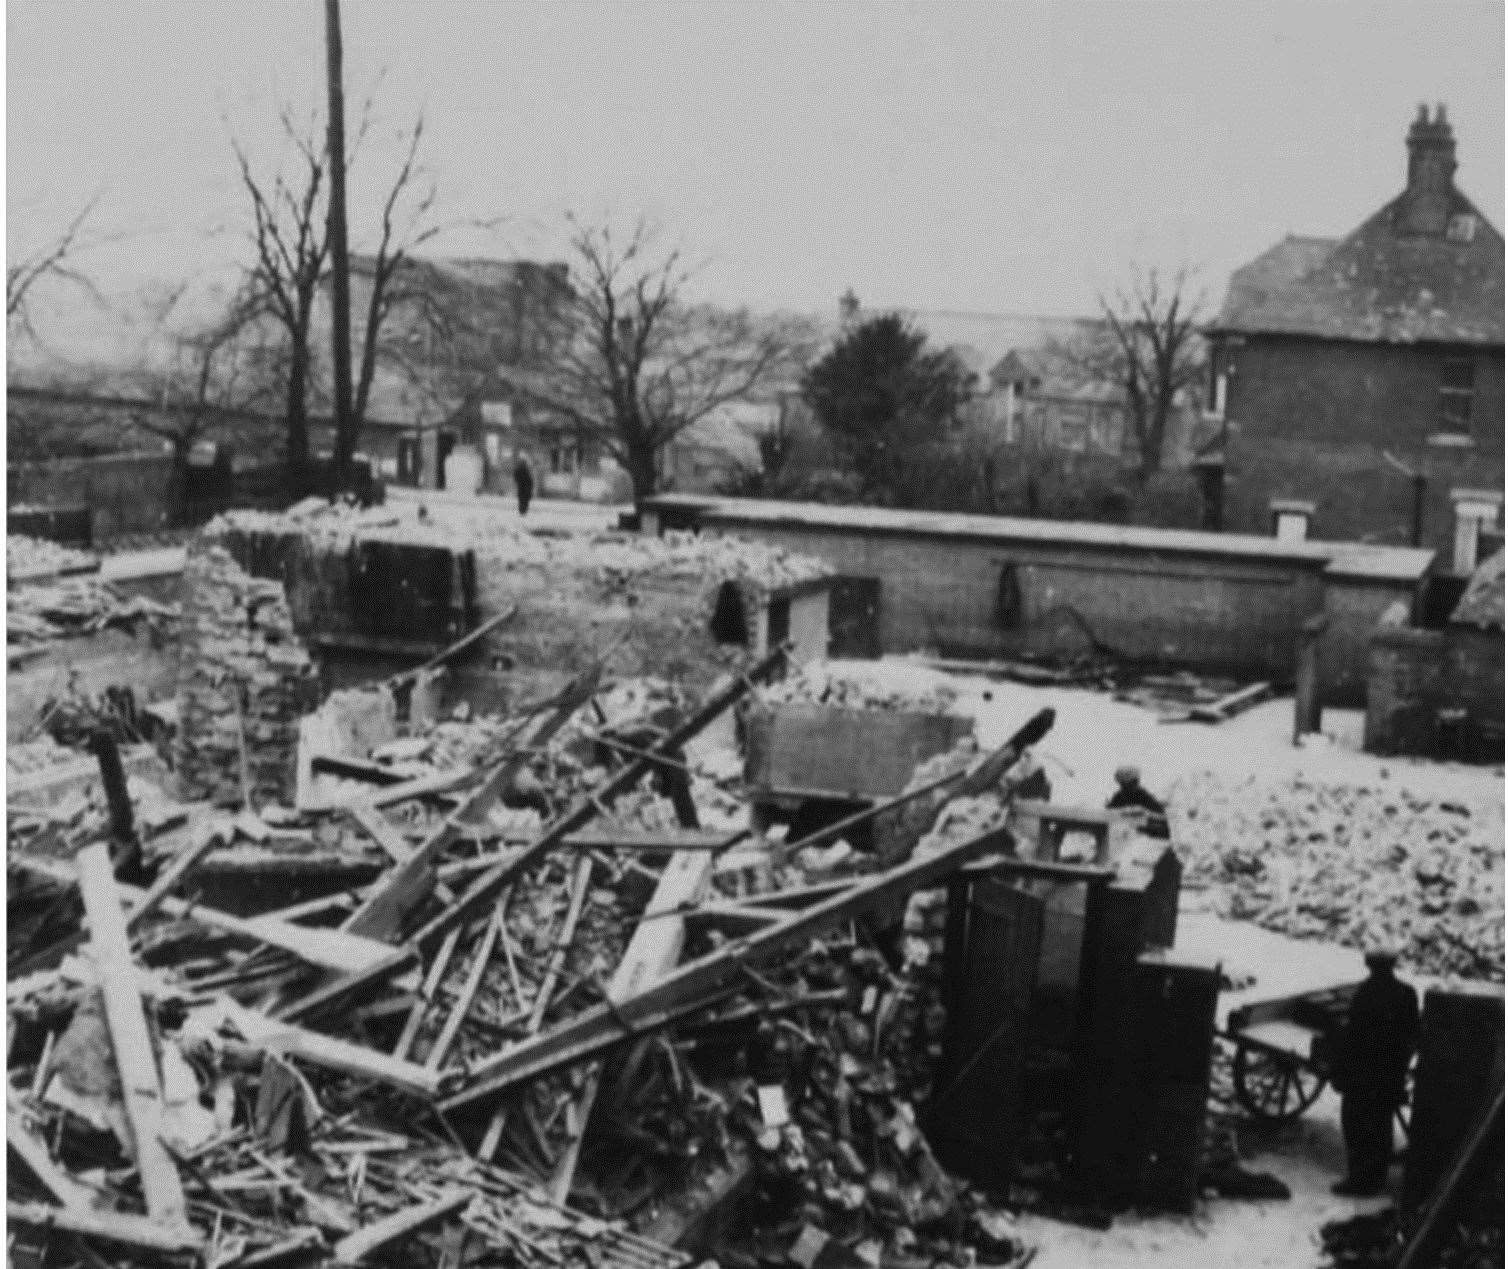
[{"x": 1364, "y": 373}]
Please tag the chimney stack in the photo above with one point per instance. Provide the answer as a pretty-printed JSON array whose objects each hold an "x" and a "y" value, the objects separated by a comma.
[{"x": 1425, "y": 208}]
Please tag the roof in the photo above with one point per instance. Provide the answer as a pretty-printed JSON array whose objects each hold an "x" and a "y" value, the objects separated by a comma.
[
  {"x": 1378, "y": 285},
  {"x": 1482, "y": 604},
  {"x": 1379, "y": 561}
]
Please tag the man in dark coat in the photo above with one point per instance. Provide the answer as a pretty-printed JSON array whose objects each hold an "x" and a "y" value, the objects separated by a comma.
[
  {"x": 1371, "y": 1072},
  {"x": 1130, "y": 796},
  {"x": 523, "y": 484}
]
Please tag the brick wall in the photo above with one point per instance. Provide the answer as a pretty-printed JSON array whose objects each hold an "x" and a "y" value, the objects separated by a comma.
[
  {"x": 1413, "y": 673},
  {"x": 942, "y": 592},
  {"x": 244, "y": 680},
  {"x": 128, "y": 493},
  {"x": 1311, "y": 418}
]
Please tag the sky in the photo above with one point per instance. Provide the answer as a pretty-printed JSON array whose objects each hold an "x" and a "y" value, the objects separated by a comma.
[{"x": 985, "y": 156}]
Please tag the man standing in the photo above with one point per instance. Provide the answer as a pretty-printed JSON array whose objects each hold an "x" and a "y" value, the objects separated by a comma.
[
  {"x": 523, "y": 484},
  {"x": 1130, "y": 796},
  {"x": 1371, "y": 1072}
]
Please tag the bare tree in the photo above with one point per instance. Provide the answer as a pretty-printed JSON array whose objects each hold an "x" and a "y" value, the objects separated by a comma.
[
  {"x": 407, "y": 224},
  {"x": 289, "y": 239},
  {"x": 1152, "y": 350},
  {"x": 638, "y": 364},
  {"x": 52, "y": 259}
]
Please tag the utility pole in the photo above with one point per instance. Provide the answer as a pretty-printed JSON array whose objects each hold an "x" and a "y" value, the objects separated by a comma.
[{"x": 340, "y": 259}]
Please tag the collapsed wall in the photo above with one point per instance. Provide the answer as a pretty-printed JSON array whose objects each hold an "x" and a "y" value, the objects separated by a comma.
[
  {"x": 244, "y": 680},
  {"x": 679, "y": 607}
]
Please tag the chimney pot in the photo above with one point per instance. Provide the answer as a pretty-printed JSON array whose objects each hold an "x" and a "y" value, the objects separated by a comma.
[{"x": 1439, "y": 112}]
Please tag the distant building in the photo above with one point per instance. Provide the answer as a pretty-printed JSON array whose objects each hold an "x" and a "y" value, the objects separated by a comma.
[
  {"x": 1041, "y": 399},
  {"x": 1338, "y": 366}
]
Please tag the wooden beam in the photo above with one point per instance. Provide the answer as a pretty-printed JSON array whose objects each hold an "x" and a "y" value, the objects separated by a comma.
[
  {"x": 381, "y": 830},
  {"x": 653, "y": 841},
  {"x": 141, "y": 1086},
  {"x": 481, "y": 892},
  {"x": 490, "y": 884},
  {"x": 580, "y": 884},
  {"x": 404, "y": 883},
  {"x": 479, "y": 961},
  {"x": 355, "y": 1248},
  {"x": 209, "y": 836},
  {"x": 33, "y": 1152},
  {"x": 275, "y": 1036},
  {"x": 600, "y": 1027},
  {"x": 455, "y": 649},
  {"x": 115, "y": 1227},
  {"x": 652, "y": 952}
]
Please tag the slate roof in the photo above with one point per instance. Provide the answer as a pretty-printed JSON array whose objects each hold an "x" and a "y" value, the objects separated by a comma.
[{"x": 1377, "y": 285}]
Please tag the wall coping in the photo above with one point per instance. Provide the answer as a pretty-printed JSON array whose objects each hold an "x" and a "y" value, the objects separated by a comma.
[{"x": 1344, "y": 559}]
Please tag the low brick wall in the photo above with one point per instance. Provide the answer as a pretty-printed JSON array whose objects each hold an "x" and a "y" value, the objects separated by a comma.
[{"x": 1414, "y": 673}]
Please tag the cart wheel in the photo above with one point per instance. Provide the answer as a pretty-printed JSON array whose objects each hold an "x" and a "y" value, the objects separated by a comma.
[{"x": 1276, "y": 1089}]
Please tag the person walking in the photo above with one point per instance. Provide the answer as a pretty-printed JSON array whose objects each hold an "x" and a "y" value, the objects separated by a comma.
[
  {"x": 523, "y": 484},
  {"x": 1370, "y": 1071},
  {"x": 1131, "y": 796}
]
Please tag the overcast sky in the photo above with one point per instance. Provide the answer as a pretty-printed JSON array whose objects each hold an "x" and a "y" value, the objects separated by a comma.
[{"x": 1002, "y": 157}]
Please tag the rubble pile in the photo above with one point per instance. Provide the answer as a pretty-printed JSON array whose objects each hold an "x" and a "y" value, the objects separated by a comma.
[
  {"x": 72, "y": 607},
  {"x": 37, "y": 557},
  {"x": 244, "y": 680},
  {"x": 822, "y": 684},
  {"x": 1352, "y": 864},
  {"x": 384, "y": 1123}
]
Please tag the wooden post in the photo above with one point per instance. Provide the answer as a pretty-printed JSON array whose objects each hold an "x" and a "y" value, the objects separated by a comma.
[{"x": 1307, "y": 704}]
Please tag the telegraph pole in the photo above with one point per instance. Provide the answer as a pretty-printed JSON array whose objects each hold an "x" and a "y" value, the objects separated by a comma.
[{"x": 340, "y": 260}]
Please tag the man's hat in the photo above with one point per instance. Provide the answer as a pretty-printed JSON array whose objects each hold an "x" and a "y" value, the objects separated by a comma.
[
  {"x": 1127, "y": 775},
  {"x": 1380, "y": 953}
]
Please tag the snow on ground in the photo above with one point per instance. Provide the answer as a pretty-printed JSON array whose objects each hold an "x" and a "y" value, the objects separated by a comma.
[{"x": 1248, "y": 762}]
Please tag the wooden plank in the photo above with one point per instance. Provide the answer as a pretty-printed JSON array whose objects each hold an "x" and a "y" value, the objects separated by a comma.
[
  {"x": 141, "y": 1086},
  {"x": 653, "y": 841},
  {"x": 419, "y": 787},
  {"x": 115, "y": 1227},
  {"x": 455, "y": 649},
  {"x": 381, "y": 830},
  {"x": 1227, "y": 707},
  {"x": 479, "y": 961},
  {"x": 481, "y": 892},
  {"x": 404, "y": 886},
  {"x": 355, "y": 1248},
  {"x": 346, "y": 767},
  {"x": 432, "y": 981},
  {"x": 490, "y": 884},
  {"x": 580, "y": 884},
  {"x": 274, "y": 1036},
  {"x": 209, "y": 836},
  {"x": 600, "y": 1027},
  {"x": 34, "y": 1154},
  {"x": 652, "y": 952}
]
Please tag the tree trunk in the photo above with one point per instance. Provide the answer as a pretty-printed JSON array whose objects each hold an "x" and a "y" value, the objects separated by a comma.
[
  {"x": 642, "y": 469},
  {"x": 298, "y": 422}
]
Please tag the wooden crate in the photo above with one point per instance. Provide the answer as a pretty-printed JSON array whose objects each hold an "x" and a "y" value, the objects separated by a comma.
[{"x": 815, "y": 751}]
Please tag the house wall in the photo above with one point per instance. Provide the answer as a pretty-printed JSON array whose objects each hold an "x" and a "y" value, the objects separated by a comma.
[
  {"x": 940, "y": 591},
  {"x": 1311, "y": 418},
  {"x": 1413, "y": 673}
]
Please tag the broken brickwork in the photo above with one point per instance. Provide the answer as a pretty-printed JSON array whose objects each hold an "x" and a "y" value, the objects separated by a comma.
[{"x": 244, "y": 680}]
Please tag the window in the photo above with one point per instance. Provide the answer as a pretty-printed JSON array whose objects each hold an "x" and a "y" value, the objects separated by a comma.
[
  {"x": 1219, "y": 384},
  {"x": 1461, "y": 228},
  {"x": 1457, "y": 387},
  {"x": 565, "y": 459},
  {"x": 1073, "y": 426}
]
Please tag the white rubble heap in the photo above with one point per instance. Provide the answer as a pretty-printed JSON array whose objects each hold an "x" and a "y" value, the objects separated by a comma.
[
  {"x": 849, "y": 687},
  {"x": 1352, "y": 863},
  {"x": 37, "y": 557}
]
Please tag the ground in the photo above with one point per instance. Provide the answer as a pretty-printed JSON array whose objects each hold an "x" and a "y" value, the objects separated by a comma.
[{"x": 1094, "y": 734}]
